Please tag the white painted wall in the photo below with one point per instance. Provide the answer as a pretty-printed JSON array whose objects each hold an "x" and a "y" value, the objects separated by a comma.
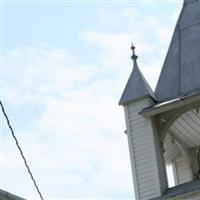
[
  {"x": 147, "y": 161},
  {"x": 182, "y": 170}
]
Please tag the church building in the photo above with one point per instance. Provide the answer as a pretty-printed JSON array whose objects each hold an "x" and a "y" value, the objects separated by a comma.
[{"x": 163, "y": 127}]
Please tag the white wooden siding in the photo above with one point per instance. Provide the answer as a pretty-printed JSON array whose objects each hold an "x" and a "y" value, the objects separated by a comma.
[
  {"x": 187, "y": 128},
  {"x": 183, "y": 170},
  {"x": 171, "y": 150},
  {"x": 160, "y": 160},
  {"x": 147, "y": 162}
]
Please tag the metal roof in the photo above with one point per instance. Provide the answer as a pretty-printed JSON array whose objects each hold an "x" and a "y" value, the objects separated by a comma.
[
  {"x": 180, "y": 190},
  {"x": 8, "y": 196},
  {"x": 136, "y": 87},
  {"x": 171, "y": 104},
  {"x": 180, "y": 74}
]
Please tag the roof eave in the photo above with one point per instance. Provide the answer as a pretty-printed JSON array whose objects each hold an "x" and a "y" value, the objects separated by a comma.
[
  {"x": 180, "y": 191},
  {"x": 168, "y": 105}
]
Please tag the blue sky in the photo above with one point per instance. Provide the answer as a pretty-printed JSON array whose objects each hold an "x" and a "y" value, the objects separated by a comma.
[{"x": 64, "y": 67}]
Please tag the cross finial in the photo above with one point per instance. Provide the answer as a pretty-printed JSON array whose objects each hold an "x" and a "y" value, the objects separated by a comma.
[{"x": 134, "y": 56}]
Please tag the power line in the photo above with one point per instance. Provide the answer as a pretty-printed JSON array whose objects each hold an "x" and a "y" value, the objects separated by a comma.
[{"x": 20, "y": 150}]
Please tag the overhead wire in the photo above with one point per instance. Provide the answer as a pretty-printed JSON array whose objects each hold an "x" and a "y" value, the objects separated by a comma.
[{"x": 20, "y": 150}]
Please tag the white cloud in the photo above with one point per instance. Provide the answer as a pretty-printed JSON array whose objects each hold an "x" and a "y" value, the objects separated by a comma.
[
  {"x": 70, "y": 127},
  {"x": 76, "y": 137}
]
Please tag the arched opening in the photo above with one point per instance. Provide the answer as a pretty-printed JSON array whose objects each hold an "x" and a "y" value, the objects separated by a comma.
[{"x": 182, "y": 146}]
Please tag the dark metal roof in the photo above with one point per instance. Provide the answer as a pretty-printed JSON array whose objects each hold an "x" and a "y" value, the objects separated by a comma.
[
  {"x": 136, "y": 87},
  {"x": 8, "y": 196},
  {"x": 180, "y": 74},
  {"x": 171, "y": 104},
  {"x": 180, "y": 190},
  {"x": 188, "y": 1}
]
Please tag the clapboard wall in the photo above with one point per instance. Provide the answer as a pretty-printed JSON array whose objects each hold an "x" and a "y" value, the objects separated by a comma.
[{"x": 146, "y": 155}]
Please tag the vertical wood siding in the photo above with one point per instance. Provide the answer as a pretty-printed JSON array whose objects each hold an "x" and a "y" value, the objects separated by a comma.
[
  {"x": 171, "y": 150},
  {"x": 183, "y": 170}
]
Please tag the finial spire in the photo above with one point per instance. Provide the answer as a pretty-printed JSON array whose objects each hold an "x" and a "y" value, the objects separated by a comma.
[
  {"x": 134, "y": 56},
  {"x": 137, "y": 86}
]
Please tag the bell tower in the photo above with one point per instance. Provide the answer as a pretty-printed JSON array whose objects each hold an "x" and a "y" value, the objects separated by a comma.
[{"x": 163, "y": 127}]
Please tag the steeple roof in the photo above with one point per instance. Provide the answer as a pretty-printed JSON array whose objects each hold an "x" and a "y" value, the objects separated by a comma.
[
  {"x": 180, "y": 74},
  {"x": 137, "y": 86}
]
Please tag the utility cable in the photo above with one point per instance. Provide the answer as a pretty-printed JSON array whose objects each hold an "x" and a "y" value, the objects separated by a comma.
[{"x": 20, "y": 150}]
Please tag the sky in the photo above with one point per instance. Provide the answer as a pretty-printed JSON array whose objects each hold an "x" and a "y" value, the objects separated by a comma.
[{"x": 64, "y": 65}]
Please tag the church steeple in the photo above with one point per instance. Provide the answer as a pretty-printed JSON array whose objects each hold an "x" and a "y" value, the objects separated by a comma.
[
  {"x": 181, "y": 70},
  {"x": 137, "y": 86},
  {"x": 167, "y": 132}
]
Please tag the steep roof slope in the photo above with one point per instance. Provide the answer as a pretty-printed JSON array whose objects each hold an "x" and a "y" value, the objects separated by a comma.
[{"x": 181, "y": 70}]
